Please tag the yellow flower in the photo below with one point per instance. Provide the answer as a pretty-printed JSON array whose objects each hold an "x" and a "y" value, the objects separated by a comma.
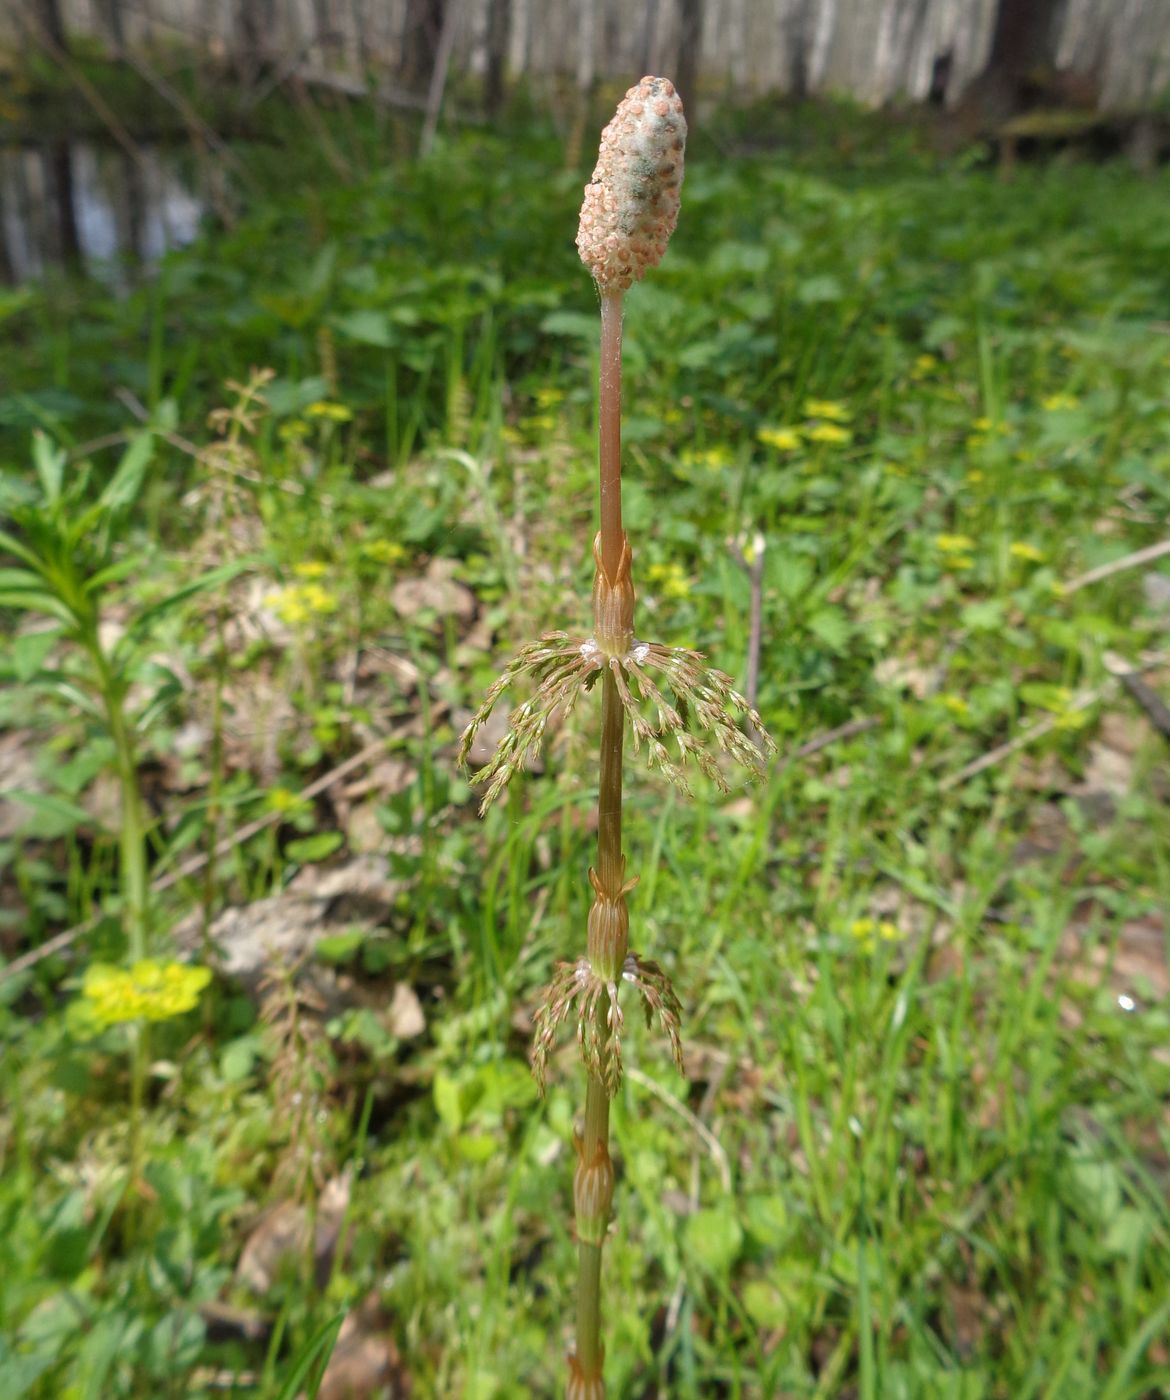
[
  {"x": 924, "y": 365},
  {"x": 311, "y": 568},
  {"x": 149, "y": 990},
  {"x": 294, "y": 430},
  {"x": 1021, "y": 549},
  {"x": 671, "y": 578},
  {"x": 782, "y": 439},
  {"x": 282, "y": 799},
  {"x": 296, "y": 603},
  {"x": 548, "y": 397},
  {"x": 829, "y": 432},
  {"x": 866, "y": 932},
  {"x": 982, "y": 425},
  {"x": 331, "y": 412},
  {"x": 954, "y": 544},
  {"x": 1054, "y": 403},
  {"x": 714, "y": 458},
  {"x": 384, "y": 551},
  {"x": 956, "y": 704},
  {"x": 974, "y": 476},
  {"x": 826, "y": 408}
]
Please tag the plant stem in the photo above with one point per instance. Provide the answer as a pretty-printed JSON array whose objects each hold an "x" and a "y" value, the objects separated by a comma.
[
  {"x": 595, "y": 1143},
  {"x": 610, "y": 430},
  {"x": 132, "y": 853}
]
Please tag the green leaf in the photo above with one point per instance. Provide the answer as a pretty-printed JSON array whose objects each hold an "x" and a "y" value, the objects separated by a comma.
[
  {"x": 340, "y": 947},
  {"x": 49, "y": 461},
  {"x": 714, "y": 1238},
  {"x": 13, "y": 580},
  {"x": 765, "y": 1304},
  {"x": 11, "y": 545},
  {"x": 317, "y": 847},
  {"x": 831, "y": 626},
  {"x": 28, "y": 600},
  {"x": 367, "y": 327},
  {"x": 123, "y": 487},
  {"x": 448, "y": 1101},
  {"x": 52, "y": 816},
  {"x": 313, "y": 1358},
  {"x": 767, "y": 1219}
]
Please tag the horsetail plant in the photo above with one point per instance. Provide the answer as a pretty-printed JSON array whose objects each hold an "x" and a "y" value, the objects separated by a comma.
[{"x": 629, "y": 212}]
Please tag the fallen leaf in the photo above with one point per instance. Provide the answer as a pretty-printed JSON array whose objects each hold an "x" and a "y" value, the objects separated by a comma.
[
  {"x": 436, "y": 591},
  {"x": 278, "y": 1243}
]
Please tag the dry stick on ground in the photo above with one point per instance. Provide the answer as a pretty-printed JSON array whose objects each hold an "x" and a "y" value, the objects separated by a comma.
[
  {"x": 1117, "y": 566},
  {"x": 1121, "y": 671}
]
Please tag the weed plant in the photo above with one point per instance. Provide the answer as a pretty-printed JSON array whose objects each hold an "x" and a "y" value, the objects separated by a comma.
[{"x": 629, "y": 213}]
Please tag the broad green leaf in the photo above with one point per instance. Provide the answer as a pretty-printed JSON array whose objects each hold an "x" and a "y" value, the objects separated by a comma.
[
  {"x": 317, "y": 847},
  {"x": 714, "y": 1238},
  {"x": 29, "y": 650},
  {"x": 340, "y": 947},
  {"x": 448, "y": 1101},
  {"x": 367, "y": 327}
]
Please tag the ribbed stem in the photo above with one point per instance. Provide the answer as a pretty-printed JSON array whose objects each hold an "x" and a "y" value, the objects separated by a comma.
[
  {"x": 610, "y": 430},
  {"x": 610, "y": 870}
]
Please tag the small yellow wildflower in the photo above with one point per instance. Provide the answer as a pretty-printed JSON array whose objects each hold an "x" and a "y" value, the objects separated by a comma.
[
  {"x": 311, "y": 568},
  {"x": 867, "y": 932},
  {"x": 957, "y": 705},
  {"x": 714, "y": 458},
  {"x": 1055, "y": 403},
  {"x": 982, "y": 425},
  {"x": 1021, "y": 549},
  {"x": 974, "y": 476},
  {"x": 384, "y": 551},
  {"x": 548, "y": 397},
  {"x": 299, "y": 601},
  {"x": 295, "y": 430},
  {"x": 955, "y": 551},
  {"x": 954, "y": 544},
  {"x": 282, "y": 799},
  {"x": 329, "y": 411},
  {"x": 539, "y": 422},
  {"x": 149, "y": 990},
  {"x": 782, "y": 439},
  {"x": 827, "y": 408},
  {"x": 924, "y": 365},
  {"x": 829, "y": 432},
  {"x": 671, "y": 579}
]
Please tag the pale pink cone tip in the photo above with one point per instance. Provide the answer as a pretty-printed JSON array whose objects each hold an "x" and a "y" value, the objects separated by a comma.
[{"x": 631, "y": 204}]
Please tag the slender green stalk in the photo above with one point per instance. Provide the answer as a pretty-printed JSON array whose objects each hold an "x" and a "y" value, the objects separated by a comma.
[
  {"x": 595, "y": 1142},
  {"x": 132, "y": 855}
]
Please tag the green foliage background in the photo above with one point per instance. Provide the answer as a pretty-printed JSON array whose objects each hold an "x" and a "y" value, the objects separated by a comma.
[{"x": 922, "y": 1149}]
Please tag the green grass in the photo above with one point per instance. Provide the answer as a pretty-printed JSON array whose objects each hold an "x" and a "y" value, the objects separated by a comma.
[{"x": 935, "y": 1150}]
